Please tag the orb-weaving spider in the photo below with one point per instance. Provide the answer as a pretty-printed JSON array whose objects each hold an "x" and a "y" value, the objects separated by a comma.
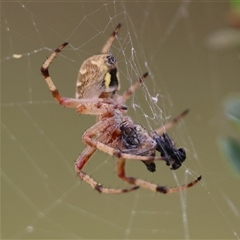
[{"x": 114, "y": 132}]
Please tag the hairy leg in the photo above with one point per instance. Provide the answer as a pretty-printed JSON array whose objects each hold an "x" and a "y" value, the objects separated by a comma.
[{"x": 148, "y": 185}]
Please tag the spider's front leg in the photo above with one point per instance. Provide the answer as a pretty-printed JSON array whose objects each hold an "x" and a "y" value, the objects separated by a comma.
[
  {"x": 109, "y": 128},
  {"x": 81, "y": 161},
  {"x": 148, "y": 185},
  {"x": 102, "y": 189},
  {"x": 98, "y": 128}
]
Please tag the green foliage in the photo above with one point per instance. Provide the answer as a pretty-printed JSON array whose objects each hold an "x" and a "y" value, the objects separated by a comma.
[
  {"x": 235, "y": 5},
  {"x": 232, "y": 110},
  {"x": 229, "y": 145},
  {"x": 231, "y": 150}
]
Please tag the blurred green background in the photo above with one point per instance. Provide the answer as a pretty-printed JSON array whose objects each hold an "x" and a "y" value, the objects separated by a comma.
[{"x": 41, "y": 197}]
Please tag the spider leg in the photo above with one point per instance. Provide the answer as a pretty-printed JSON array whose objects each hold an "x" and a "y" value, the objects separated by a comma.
[
  {"x": 95, "y": 106},
  {"x": 170, "y": 124},
  {"x": 45, "y": 72},
  {"x": 128, "y": 93},
  {"x": 84, "y": 157},
  {"x": 97, "y": 186},
  {"x": 97, "y": 130},
  {"x": 105, "y": 129},
  {"x": 81, "y": 161},
  {"x": 109, "y": 42},
  {"x": 116, "y": 152},
  {"x": 148, "y": 185}
]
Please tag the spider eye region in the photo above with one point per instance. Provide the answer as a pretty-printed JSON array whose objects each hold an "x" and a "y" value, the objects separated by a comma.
[{"x": 129, "y": 137}]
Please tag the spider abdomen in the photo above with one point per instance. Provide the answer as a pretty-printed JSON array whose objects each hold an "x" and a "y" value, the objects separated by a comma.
[{"x": 97, "y": 75}]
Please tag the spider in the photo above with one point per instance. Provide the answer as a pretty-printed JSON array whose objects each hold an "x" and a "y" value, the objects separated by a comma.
[
  {"x": 131, "y": 139},
  {"x": 114, "y": 132}
]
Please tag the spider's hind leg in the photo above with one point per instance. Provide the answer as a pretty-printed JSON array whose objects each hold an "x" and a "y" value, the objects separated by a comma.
[
  {"x": 45, "y": 72},
  {"x": 129, "y": 92},
  {"x": 109, "y": 42},
  {"x": 172, "y": 122}
]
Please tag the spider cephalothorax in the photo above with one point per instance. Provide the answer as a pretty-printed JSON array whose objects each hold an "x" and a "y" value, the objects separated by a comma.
[
  {"x": 114, "y": 132},
  {"x": 136, "y": 140}
]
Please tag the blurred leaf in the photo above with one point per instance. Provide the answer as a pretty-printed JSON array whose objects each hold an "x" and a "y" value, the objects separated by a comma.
[
  {"x": 223, "y": 39},
  {"x": 235, "y": 5},
  {"x": 232, "y": 110},
  {"x": 231, "y": 149},
  {"x": 233, "y": 16}
]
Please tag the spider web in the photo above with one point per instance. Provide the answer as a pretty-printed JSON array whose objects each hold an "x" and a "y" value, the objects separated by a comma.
[{"x": 41, "y": 197}]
